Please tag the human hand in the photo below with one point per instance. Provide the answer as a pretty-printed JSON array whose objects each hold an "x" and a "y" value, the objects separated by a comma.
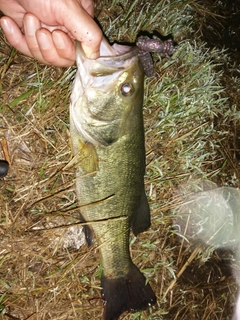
[{"x": 49, "y": 28}]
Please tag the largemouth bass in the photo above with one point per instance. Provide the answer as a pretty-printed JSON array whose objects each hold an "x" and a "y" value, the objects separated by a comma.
[{"x": 107, "y": 134}]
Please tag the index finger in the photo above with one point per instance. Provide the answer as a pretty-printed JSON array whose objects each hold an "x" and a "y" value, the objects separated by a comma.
[{"x": 83, "y": 28}]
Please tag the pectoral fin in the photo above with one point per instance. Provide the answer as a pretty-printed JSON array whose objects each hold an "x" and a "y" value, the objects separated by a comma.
[
  {"x": 87, "y": 158},
  {"x": 141, "y": 219}
]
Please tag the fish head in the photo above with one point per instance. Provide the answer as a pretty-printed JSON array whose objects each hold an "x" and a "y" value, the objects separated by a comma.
[{"x": 106, "y": 93}]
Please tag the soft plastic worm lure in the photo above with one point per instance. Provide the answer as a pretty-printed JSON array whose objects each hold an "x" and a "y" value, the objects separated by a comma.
[{"x": 147, "y": 45}]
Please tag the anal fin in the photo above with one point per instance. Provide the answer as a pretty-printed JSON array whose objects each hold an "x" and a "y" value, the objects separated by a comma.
[{"x": 141, "y": 219}]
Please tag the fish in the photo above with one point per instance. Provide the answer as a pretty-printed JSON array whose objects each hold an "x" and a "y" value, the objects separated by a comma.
[{"x": 107, "y": 137}]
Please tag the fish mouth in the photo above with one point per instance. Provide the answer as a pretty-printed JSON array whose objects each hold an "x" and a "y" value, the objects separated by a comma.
[
  {"x": 103, "y": 71},
  {"x": 121, "y": 55},
  {"x": 108, "y": 65}
]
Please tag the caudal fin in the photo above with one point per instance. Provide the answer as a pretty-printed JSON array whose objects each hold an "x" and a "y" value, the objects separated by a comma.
[{"x": 127, "y": 293}]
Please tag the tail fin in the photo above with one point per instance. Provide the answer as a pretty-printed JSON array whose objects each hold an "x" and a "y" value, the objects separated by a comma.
[{"x": 127, "y": 293}]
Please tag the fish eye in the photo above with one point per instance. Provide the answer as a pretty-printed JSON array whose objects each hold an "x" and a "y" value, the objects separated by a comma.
[{"x": 127, "y": 89}]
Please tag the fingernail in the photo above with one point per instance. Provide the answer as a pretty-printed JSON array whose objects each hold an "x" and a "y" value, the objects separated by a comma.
[
  {"x": 94, "y": 55},
  {"x": 89, "y": 54},
  {"x": 30, "y": 26},
  {"x": 58, "y": 40},
  {"x": 43, "y": 40},
  {"x": 6, "y": 26}
]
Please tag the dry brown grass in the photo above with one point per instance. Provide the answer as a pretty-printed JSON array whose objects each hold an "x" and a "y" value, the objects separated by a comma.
[{"x": 42, "y": 274}]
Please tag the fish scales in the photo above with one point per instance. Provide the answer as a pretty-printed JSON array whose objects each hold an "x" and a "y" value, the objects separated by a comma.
[{"x": 107, "y": 134}]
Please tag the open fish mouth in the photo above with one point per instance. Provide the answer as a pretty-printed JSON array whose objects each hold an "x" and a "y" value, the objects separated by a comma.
[{"x": 108, "y": 65}]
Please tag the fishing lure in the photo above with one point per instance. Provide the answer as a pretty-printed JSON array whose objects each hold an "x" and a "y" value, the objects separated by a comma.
[{"x": 146, "y": 45}]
